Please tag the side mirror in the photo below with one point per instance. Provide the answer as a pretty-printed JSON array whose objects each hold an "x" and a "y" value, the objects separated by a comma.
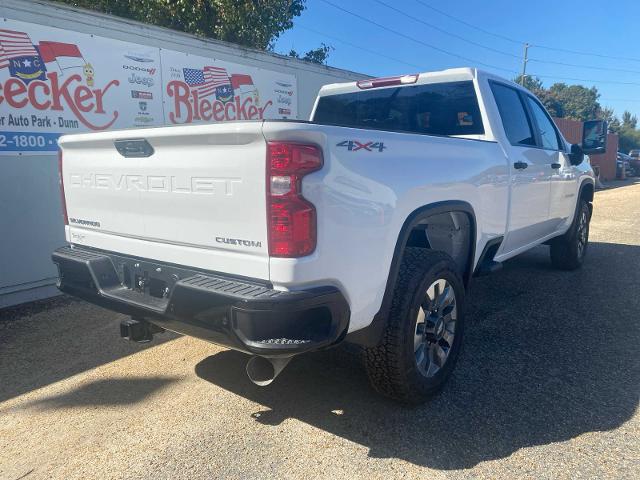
[
  {"x": 576, "y": 157},
  {"x": 594, "y": 136}
]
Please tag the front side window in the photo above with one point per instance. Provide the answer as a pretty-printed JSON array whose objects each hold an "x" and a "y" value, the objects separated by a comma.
[
  {"x": 513, "y": 114},
  {"x": 548, "y": 135},
  {"x": 449, "y": 108}
]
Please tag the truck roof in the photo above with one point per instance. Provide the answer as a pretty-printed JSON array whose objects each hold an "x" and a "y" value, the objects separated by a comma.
[{"x": 439, "y": 76}]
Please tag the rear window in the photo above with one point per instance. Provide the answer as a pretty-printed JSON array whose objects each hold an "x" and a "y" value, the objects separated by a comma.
[{"x": 436, "y": 109}]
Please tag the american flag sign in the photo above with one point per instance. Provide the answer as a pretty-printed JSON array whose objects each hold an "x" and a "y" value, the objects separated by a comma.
[
  {"x": 14, "y": 45},
  {"x": 205, "y": 81}
]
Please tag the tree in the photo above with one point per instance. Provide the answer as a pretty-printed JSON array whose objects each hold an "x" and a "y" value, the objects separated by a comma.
[
  {"x": 535, "y": 85},
  {"x": 318, "y": 55},
  {"x": 531, "y": 83},
  {"x": 577, "y": 101},
  {"x": 553, "y": 104},
  {"x": 561, "y": 100},
  {"x": 252, "y": 23},
  {"x": 629, "y": 138},
  {"x": 628, "y": 120},
  {"x": 609, "y": 116},
  {"x": 581, "y": 103}
]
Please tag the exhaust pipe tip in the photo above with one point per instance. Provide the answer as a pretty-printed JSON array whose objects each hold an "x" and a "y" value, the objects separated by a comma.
[{"x": 263, "y": 370}]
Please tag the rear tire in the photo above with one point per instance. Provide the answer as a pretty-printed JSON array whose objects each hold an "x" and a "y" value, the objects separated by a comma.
[
  {"x": 569, "y": 250},
  {"x": 423, "y": 335}
]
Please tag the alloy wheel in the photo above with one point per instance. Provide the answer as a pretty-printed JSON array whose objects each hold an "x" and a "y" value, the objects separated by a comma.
[
  {"x": 583, "y": 233},
  {"x": 435, "y": 327}
]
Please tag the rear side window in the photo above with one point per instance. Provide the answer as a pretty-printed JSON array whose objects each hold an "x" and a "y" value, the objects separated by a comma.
[
  {"x": 514, "y": 117},
  {"x": 436, "y": 109}
]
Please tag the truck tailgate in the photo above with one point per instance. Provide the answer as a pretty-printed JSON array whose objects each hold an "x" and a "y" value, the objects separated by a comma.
[{"x": 197, "y": 199}]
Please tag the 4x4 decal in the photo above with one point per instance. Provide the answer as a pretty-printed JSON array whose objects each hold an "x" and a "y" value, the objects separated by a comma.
[{"x": 354, "y": 146}]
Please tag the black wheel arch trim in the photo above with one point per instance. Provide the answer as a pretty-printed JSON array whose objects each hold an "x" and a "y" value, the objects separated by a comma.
[
  {"x": 369, "y": 336},
  {"x": 587, "y": 182}
]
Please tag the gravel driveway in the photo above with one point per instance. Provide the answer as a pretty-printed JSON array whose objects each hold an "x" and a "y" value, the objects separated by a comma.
[{"x": 547, "y": 387}]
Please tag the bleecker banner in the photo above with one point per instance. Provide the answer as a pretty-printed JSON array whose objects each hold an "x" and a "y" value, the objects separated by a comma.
[
  {"x": 54, "y": 81},
  {"x": 199, "y": 89}
]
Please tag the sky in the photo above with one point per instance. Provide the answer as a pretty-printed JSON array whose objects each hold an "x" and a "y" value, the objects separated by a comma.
[{"x": 406, "y": 36}]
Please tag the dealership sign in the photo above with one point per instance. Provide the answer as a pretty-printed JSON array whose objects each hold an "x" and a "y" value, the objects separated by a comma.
[
  {"x": 200, "y": 90},
  {"x": 54, "y": 82}
]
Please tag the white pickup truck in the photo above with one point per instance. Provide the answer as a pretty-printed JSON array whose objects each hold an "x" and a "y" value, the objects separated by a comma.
[{"x": 364, "y": 224}]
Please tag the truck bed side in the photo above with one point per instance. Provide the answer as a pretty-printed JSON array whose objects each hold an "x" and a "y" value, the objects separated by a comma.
[{"x": 363, "y": 197}]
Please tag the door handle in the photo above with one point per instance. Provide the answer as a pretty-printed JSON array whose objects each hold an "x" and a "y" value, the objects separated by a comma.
[
  {"x": 555, "y": 166},
  {"x": 520, "y": 165}
]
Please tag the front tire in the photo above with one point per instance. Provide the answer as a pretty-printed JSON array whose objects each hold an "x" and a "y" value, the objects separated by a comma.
[
  {"x": 423, "y": 336},
  {"x": 569, "y": 250}
]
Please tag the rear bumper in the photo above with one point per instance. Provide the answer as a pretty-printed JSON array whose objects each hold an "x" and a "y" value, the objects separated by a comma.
[{"x": 245, "y": 315}]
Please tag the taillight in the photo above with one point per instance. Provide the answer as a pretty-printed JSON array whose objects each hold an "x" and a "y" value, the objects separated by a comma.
[
  {"x": 64, "y": 202},
  {"x": 291, "y": 218},
  {"x": 386, "y": 81}
]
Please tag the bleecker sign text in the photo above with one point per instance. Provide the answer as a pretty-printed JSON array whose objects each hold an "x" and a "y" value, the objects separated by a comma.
[
  {"x": 189, "y": 107},
  {"x": 57, "y": 93},
  {"x": 55, "y": 82}
]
